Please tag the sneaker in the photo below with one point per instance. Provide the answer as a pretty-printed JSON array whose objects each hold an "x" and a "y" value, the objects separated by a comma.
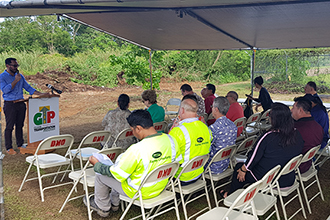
[
  {"x": 114, "y": 208},
  {"x": 11, "y": 151},
  {"x": 94, "y": 207}
]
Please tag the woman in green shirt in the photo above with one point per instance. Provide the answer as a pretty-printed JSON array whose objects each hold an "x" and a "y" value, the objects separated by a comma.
[{"x": 149, "y": 98}]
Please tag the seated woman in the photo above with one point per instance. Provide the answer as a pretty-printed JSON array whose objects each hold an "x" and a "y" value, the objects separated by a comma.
[
  {"x": 275, "y": 147},
  {"x": 264, "y": 98},
  {"x": 149, "y": 98},
  {"x": 115, "y": 121}
]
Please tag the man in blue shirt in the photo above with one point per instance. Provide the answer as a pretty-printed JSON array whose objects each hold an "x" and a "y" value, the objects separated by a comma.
[{"x": 12, "y": 84}]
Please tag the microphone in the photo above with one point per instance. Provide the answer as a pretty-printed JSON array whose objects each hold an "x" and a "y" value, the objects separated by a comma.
[{"x": 52, "y": 88}]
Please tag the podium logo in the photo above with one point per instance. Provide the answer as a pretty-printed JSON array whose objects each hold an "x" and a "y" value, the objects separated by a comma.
[{"x": 43, "y": 117}]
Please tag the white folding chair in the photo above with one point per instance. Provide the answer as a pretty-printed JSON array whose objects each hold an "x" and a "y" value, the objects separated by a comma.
[
  {"x": 161, "y": 126},
  {"x": 166, "y": 171},
  {"x": 323, "y": 155},
  {"x": 188, "y": 190},
  {"x": 124, "y": 134},
  {"x": 83, "y": 152},
  {"x": 50, "y": 160},
  {"x": 308, "y": 175},
  {"x": 243, "y": 202},
  {"x": 172, "y": 102},
  {"x": 264, "y": 122},
  {"x": 240, "y": 123},
  {"x": 221, "y": 155},
  {"x": 251, "y": 125},
  {"x": 284, "y": 192},
  {"x": 240, "y": 153},
  {"x": 263, "y": 202},
  {"x": 86, "y": 176}
]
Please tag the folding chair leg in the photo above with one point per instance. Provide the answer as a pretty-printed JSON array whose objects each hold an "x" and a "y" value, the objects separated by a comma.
[
  {"x": 302, "y": 205},
  {"x": 214, "y": 194},
  {"x": 283, "y": 207},
  {"x": 27, "y": 173},
  {"x": 319, "y": 185},
  {"x": 40, "y": 185},
  {"x": 55, "y": 177},
  {"x": 183, "y": 205},
  {"x": 208, "y": 198},
  {"x": 142, "y": 209},
  {"x": 68, "y": 197},
  {"x": 87, "y": 198},
  {"x": 305, "y": 196},
  {"x": 126, "y": 210}
]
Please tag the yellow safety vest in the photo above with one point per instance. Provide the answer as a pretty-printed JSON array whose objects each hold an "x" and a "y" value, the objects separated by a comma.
[
  {"x": 194, "y": 139},
  {"x": 139, "y": 159}
]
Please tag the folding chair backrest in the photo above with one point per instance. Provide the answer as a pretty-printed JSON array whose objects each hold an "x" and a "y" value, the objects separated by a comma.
[
  {"x": 126, "y": 133},
  {"x": 310, "y": 154},
  {"x": 160, "y": 126},
  {"x": 265, "y": 115},
  {"x": 254, "y": 118},
  {"x": 174, "y": 101},
  {"x": 223, "y": 154},
  {"x": 56, "y": 142},
  {"x": 246, "y": 144},
  {"x": 240, "y": 122},
  {"x": 95, "y": 137},
  {"x": 246, "y": 196},
  {"x": 162, "y": 172},
  {"x": 269, "y": 176},
  {"x": 289, "y": 167},
  {"x": 194, "y": 164},
  {"x": 112, "y": 153}
]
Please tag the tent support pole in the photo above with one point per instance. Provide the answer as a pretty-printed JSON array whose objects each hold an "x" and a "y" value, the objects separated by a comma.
[
  {"x": 253, "y": 61},
  {"x": 150, "y": 66}
]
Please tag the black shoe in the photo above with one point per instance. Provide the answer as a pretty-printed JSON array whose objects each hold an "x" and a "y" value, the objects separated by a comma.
[{"x": 94, "y": 207}]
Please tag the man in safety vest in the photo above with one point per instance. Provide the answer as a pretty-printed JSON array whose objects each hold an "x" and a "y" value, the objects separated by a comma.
[
  {"x": 193, "y": 137},
  {"x": 125, "y": 176}
]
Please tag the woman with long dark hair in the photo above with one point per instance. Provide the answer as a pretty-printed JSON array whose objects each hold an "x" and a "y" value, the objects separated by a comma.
[
  {"x": 276, "y": 147},
  {"x": 115, "y": 121}
]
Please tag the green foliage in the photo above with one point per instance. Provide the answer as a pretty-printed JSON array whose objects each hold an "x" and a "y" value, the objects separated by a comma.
[
  {"x": 93, "y": 69},
  {"x": 135, "y": 65},
  {"x": 216, "y": 66}
]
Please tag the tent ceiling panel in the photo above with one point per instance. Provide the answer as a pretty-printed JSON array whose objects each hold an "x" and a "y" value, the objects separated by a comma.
[
  {"x": 160, "y": 30},
  {"x": 280, "y": 26}
]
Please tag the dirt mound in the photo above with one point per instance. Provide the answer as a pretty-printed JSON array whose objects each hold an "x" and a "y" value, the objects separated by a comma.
[{"x": 60, "y": 80}]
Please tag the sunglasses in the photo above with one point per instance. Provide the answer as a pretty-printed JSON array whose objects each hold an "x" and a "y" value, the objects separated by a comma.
[{"x": 14, "y": 65}]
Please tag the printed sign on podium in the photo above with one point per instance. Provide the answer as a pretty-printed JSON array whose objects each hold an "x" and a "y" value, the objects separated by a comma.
[
  {"x": 43, "y": 118},
  {"x": 42, "y": 122}
]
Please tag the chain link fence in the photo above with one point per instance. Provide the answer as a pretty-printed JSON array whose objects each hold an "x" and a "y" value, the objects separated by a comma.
[{"x": 285, "y": 67}]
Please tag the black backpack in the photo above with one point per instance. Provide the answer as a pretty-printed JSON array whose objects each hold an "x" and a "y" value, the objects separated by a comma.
[{"x": 248, "y": 110}]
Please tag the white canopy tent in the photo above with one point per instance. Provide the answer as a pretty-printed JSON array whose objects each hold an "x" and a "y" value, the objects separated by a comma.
[{"x": 195, "y": 24}]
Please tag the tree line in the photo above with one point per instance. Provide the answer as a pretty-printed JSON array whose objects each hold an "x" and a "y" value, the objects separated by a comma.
[{"x": 98, "y": 58}]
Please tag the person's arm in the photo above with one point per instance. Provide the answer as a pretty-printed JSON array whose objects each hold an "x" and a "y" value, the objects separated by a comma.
[
  {"x": 256, "y": 153},
  {"x": 208, "y": 104},
  {"x": 100, "y": 167},
  {"x": 6, "y": 86},
  {"x": 16, "y": 80}
]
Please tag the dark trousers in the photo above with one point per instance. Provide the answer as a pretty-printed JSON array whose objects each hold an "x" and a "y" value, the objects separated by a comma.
[
  {"x": 236, "y": 184},
  {"x": 15, "y": 115}
]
